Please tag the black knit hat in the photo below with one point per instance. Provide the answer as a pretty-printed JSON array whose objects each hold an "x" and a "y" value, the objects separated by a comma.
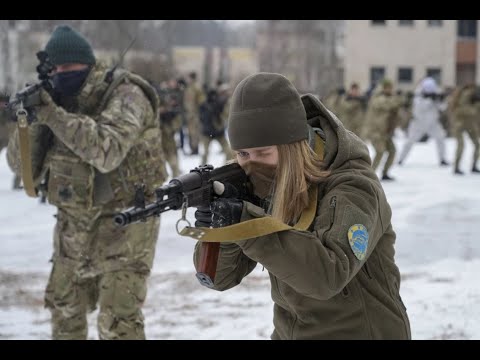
[
  {"x": 266, "y": 110},
  {"x": 67, "y": 46}
]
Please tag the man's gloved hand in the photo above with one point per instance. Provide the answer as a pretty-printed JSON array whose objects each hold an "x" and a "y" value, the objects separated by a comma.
[
  {"x": 224, "y": 211},
  {"x": 47, "y": 109}
]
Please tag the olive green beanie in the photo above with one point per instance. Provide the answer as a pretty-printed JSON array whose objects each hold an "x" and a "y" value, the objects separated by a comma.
[
  {"x": 67, "y": 46},
  {"x": 266, "y": 110}
]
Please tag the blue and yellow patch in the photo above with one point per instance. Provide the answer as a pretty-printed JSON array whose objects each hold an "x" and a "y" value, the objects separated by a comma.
[{"x": 358, "y": 239}]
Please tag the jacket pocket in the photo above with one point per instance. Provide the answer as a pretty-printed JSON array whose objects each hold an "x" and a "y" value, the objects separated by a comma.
[
  {"x": 70, "y": 183},
  {"x": 366, "y": 270}
]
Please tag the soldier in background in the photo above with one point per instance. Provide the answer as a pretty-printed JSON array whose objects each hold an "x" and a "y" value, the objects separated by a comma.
[
  {"x": 171, "y": 122},
  {"x": 351, "y": 110},
  {"x": 427, "y": 105},
  {"x": 182, "y": 85},
  {"x": 193, "y": 97},
  {"x": 465, "y": 112},
  {"x": 382, "y": 118},
  {"x": 213, "y": 124}
]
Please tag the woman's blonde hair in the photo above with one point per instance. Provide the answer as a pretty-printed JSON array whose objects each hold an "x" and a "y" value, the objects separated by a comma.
[{"x": 298, "y": 168}]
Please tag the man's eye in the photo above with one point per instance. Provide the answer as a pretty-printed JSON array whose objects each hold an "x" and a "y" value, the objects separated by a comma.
[{"x": 242, "y": 154}]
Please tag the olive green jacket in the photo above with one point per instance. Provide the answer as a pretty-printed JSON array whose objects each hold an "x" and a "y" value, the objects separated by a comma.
[{"x": 320, "y": 288}]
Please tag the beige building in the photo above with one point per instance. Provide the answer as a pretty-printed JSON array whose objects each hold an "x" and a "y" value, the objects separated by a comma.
[
  {"x": 240, "y": 62},
  {"x": 408, "y": 50}
]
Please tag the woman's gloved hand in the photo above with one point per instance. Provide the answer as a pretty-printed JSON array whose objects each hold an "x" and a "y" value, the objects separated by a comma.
[{"x": 223, "y": 211}]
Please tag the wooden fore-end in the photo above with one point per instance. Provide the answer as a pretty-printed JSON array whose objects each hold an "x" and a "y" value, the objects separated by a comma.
[{"x": 208, "y": 263}]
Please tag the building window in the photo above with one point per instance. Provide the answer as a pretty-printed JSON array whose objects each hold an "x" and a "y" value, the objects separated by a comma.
[
  {"x": 379, "y": 22},
  {"x": 405, "y": 22},
  {"x": 405, "y": 75},
  {"x": 467, "y": 28},
  {"x": 435, "y": 73},
  {"x": 377, "y": 73},
  {"x": 433, "y": 23}
]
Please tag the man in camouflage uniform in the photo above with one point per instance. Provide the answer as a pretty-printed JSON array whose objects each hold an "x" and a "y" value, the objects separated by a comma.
[
  {"x": 213, "y": 115},
  {"x": 171, "y": 112},
  {"x": 193, "y": 97},
  {"x": 352, "y": 109},
  {"x": 382, "y": 118},
  {"x": 6, "y": 127},
  {"x": 96, "y": 140},
  {"x": 465, "y": 113}
]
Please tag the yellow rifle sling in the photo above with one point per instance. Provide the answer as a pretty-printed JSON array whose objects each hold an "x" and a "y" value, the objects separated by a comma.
[{"x": 262, "y": 226}]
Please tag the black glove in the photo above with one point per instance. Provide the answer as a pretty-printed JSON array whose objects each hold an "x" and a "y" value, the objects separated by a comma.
[{"x": 223, "y": 211}]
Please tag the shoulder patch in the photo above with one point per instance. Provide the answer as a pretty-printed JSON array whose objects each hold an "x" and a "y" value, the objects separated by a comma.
[{"x": 358, "y": 239}]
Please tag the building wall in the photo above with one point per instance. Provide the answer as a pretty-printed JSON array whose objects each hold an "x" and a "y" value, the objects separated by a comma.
[
  {"x": 393, "y": 46},
  {"x": 242, "y": 62}
]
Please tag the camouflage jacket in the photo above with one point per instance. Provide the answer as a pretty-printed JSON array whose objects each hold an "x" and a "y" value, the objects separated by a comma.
[
  {"x": 352, "y": 113},
  {"x": 382, "y": 116},
  {"x": 466, "y": 109},
  {"x": 192, "y": 98},
  {"x": 95, "y": 154}
]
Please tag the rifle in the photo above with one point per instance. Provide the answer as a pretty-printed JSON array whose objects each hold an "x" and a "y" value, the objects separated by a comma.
[
  {"x": 434, "y": 96},
  {"x": 191, "y": 190},
  {"x": 30, "y": 95}
]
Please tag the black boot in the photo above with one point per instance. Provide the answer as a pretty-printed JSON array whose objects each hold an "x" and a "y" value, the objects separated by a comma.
[
  {"x": 444, "y": 163},
  {"x": 475, "y": 170},
  {"x": 458, "y": 172},
  {"x": 387, "y": 178}
]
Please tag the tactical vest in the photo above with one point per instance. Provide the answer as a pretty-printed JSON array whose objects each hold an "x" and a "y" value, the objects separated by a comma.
[{"x": 75, "y": 184}]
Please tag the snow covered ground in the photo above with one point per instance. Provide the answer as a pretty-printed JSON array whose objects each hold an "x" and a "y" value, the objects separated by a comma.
[{"x": 435, "y": 214}]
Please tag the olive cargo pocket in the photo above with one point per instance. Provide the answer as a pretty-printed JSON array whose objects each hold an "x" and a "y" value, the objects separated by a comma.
[{"x": 70, "y": 183}]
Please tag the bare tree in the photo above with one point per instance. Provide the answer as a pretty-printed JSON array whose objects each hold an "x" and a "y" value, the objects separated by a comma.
[
  {"x": 305, "y": 50},
  {"x": 9, "y": 54}
]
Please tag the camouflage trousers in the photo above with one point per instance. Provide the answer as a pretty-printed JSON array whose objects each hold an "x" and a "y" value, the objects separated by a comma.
[
  {"x": 170, "y": 150},
  {"x": 382, "y": 146},
  {"x": 206, "y": 140},
  {"x": 473, "y": 132},
  {"x": 96, "y": 264},
  {"x": 193, "y": 125}
]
